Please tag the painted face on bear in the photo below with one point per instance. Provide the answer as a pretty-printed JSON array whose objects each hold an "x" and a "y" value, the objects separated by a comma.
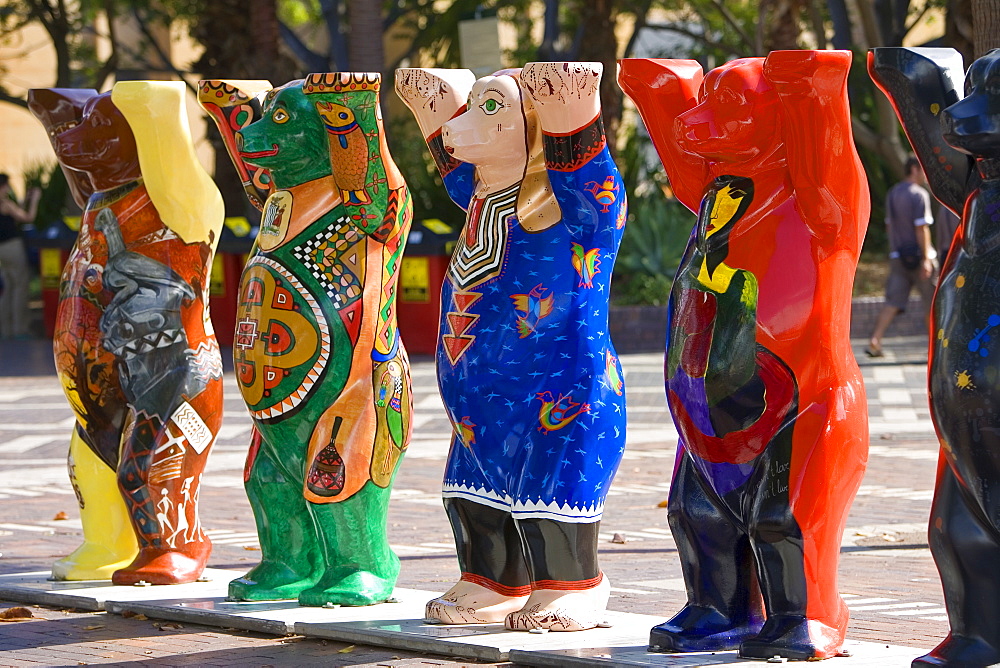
[
  {"x": 279, "y": 142},
  {"x": 494, "y": 115}
]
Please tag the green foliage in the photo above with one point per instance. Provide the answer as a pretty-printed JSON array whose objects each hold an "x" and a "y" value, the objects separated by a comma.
[
  {"x": 430, "y": 199},
  {"x": 52, "y": 182},
  {"x": 657, "y": 230}
]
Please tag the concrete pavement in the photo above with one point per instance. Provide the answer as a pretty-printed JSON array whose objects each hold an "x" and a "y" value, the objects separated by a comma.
[{"x": 887, "y": 575}]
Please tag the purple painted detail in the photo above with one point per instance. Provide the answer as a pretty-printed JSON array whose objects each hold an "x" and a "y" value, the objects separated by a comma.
[{"x": 723, "y": 477}]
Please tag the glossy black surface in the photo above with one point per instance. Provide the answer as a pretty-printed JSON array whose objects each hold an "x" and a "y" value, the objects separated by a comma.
[{"x": 957, "y": 139}]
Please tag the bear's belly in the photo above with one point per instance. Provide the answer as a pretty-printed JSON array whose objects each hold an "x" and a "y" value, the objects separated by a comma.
[
  {"x": 965, "y": 371},
  {"x": 283, "y": 340}
]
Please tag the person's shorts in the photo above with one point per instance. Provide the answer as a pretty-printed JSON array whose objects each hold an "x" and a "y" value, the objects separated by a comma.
[{"x": 901, "y": 281}]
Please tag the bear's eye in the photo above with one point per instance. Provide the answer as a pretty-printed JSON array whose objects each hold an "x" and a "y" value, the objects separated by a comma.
[
  {"x": 491, "y": 106},
  {"x": 280, "y": 116}
]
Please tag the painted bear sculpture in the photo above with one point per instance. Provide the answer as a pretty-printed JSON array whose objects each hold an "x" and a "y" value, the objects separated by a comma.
[
  {"x": 761, "y": 383},
  {"x": 317, "y": 352},
  {"x": 526, "y": 368},
  {"x": 134, "y": 347},
  {"x": 956, "y": 136}
]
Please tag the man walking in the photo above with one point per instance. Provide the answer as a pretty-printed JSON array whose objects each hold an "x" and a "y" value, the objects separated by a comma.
[{"x": 912, "y": 257}]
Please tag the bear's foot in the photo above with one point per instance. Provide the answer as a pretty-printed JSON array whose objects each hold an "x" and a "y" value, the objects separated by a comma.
[
  {"x": 960, "y": 652},
  {"x": 270, "y": 581},
  {"x": 559, "y": 610},
  {"x": 93, "y": 561},
  {"x": 158, "y": 566},
  {"x": 793, "y": 637},
  {"x": 356, "y": 588},
  {"x": 470, "y": 603},
  {"x": 701, "y": 629}
]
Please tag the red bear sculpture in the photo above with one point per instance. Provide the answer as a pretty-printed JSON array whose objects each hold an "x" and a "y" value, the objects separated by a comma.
[{"x": 765, "y": 392}]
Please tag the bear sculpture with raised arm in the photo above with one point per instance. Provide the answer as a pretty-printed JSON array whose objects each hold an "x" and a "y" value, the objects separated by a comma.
[
  {"x": 317, "y": 351},
  {"x": 956, "y": 136},
  {"x": 761, "y": 382},
  {"x": 134, "y": 347},
  {"x": 526, "y": 368}
]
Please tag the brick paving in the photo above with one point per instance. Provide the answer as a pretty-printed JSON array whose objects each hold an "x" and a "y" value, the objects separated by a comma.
[{"x": 884, "y": 557}]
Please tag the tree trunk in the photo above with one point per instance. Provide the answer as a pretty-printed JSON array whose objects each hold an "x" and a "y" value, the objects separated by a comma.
[
  {"x": 598, "y": 44},
  {"x": 364, "y": 45},
  {"x": 958, "y": 28},
  {"x": 985, "y": 26},
  {"x": 781, "y": 24}
]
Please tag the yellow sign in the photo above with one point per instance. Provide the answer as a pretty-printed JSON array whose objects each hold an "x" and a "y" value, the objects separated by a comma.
[
  {"x": 437, "y": 226},
  {"x": 238, "y": 225},
  {"x": 415, "y": 280},
  {"x": 51, "y": 267},
  {"x": 217, "y": 286}
]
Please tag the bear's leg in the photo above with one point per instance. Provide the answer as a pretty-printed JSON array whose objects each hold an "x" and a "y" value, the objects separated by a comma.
[
  {"x": 788, "y": 632},
  {"x": 108, "y": 540},
  {"x": 568, "y": 590},
  {"x": 162, "y": 496},
  {"x": 359, "y": 567},
  {"x": 290, "y": 553},
  {"x": 966, "y": 549},
  {"x": 495, "y": 578},
  {"x": 724, "y": 605}
]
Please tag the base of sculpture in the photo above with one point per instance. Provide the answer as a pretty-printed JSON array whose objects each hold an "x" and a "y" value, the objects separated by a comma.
[
  {"x": 165, "y": 565},
  {"x": 397, "y": 625}
]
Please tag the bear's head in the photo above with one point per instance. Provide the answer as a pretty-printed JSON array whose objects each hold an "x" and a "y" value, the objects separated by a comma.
[
  {"x": 972, "y": 125},
  {"x": 493, "y": 126},
  {"x": 102, "y": 145},
  {"x": 500, "y": 128},
  {"x": 58, "y": 110},
  {"x": 289, "y": 139},
  {"x": 737, "y": 118}
]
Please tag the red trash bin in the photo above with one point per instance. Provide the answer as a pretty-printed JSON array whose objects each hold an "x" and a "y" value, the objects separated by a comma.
[{"x": 418, "y": 303}]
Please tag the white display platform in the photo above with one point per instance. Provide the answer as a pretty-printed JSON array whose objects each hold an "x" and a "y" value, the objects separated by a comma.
[
  {"x": 863, "y": 655},
  {"x": 35, "y": 587},
  {"x": 399, "y": 625}
]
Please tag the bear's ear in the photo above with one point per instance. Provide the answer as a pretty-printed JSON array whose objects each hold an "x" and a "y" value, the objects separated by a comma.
[
  {"x": 234, "y": 104},
  {"x": 59, "y": 109}
]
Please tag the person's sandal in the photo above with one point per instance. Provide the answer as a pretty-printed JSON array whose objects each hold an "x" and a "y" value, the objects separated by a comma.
[{"x": 873, "y": 352}]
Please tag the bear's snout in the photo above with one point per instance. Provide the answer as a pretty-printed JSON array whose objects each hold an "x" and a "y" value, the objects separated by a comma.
[{"x": 969, "y": 126}]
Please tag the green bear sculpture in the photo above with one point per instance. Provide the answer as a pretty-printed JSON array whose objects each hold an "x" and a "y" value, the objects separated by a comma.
[{"x": 318, "y": 356}]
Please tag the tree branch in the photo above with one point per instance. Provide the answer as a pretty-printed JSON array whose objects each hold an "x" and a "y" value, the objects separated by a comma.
[
  {"x": 312, "y": 61},
  {"x": 733, "y": 23},
  {"x": 168, "y": 63},
  {"x": 641, "y": 16},
  {"x": 918, "y": 19}
]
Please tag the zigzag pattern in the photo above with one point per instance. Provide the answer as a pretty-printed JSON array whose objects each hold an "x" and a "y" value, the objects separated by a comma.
[
  {"x": 206, "y": 360},
  {"x": 525, "y": 509},
  {"x": 394, "y": 248}
]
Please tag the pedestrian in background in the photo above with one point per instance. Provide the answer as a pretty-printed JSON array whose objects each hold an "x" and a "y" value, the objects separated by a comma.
[
  {"x": 14, "y": 268},
  {"x": 912, "y": 256}
]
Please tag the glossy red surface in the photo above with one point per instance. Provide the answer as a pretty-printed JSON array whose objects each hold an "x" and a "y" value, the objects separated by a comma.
[{"x": 782, "y": 125}]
